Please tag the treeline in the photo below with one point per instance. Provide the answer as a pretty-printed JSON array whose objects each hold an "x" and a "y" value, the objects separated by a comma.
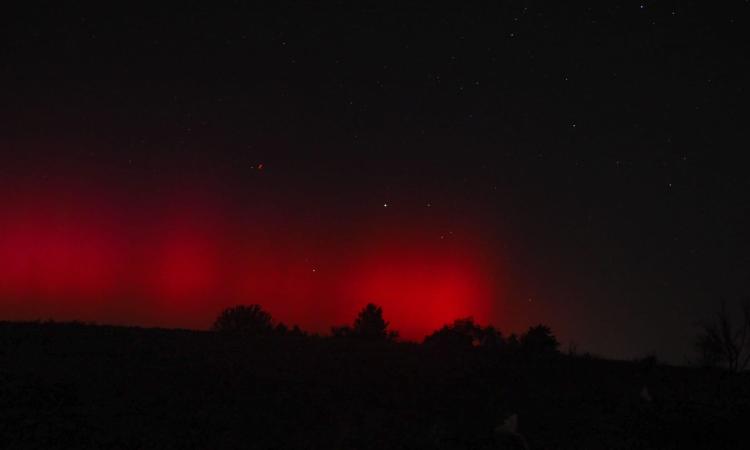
[{"x": 370, "y": 325}]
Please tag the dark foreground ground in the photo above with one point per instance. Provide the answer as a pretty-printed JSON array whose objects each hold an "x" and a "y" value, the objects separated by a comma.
[{"x": 75, "y": 386}]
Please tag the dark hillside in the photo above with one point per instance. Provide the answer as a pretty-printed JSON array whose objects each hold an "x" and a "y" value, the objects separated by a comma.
[{"x": 82, "y": 386}]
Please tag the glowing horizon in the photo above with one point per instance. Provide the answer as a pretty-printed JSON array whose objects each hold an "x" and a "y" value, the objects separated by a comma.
[{"x": 178, "y": 262}]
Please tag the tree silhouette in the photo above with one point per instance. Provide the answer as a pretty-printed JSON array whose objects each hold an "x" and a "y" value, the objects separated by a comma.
[
  {"x": 462, "y": 333},
  {"x": 723, "y": 342},
  {"x": 246, "y": 320},
  {"x": 297, "y": 331},
  {"x": 369, "y": 324},
  {"x": 343, "y": 331},
  {"x": 513, "y": 343},
  {"x": 281, "y": 329},
  {"x": 539, "y": 340},
  {"x": 492, "y": 339}
]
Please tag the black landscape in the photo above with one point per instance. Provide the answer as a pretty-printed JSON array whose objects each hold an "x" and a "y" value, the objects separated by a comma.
[
  {"x": 249, "y": 384},
  {"x": 515, "y": 224}
]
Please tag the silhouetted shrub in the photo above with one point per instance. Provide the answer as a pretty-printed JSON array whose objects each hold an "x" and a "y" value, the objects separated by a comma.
[
  {"x": 244, "y": 320},
  {"x": 722, "y": 342},
  {"x": 513, "y": 343},
  {"x": 297, "y": 331},
  {"x": 343, "y": 331},
  {"x": 492, "y": 339},
  {"x": 370, "y": 324},
  {"x": 709, "y": 349},
  {"x": 461, "y": 334},
  {"x": 647, "y": 363},
  {"x": 539, "y": 340}
]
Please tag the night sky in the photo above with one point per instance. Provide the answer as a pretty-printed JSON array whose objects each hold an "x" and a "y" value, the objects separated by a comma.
[{"x": 578, "y": 164}]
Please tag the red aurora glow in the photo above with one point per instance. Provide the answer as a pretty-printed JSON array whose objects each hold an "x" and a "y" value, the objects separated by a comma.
[{"x": 68, "y": 256}]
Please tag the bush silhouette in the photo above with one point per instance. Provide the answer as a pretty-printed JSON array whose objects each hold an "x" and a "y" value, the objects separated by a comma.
[
  {"x": 461, "y": 334},
  {"x": 245, "y": 320},
  {"x": 297, "y": 331},
  {"x": 513, "y": 343},
  {"x": 725, "y": 342},
  {"x": 369, "y": 324},
  {"x": 539, "y": 340},
  {"x": 281, "y": 329},
  {"x": 343, "y": 331},
  {"x": 492, "y": 339}
]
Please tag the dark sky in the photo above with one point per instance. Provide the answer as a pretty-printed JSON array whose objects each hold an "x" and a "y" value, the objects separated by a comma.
[{"x": 579, "y": 164}]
